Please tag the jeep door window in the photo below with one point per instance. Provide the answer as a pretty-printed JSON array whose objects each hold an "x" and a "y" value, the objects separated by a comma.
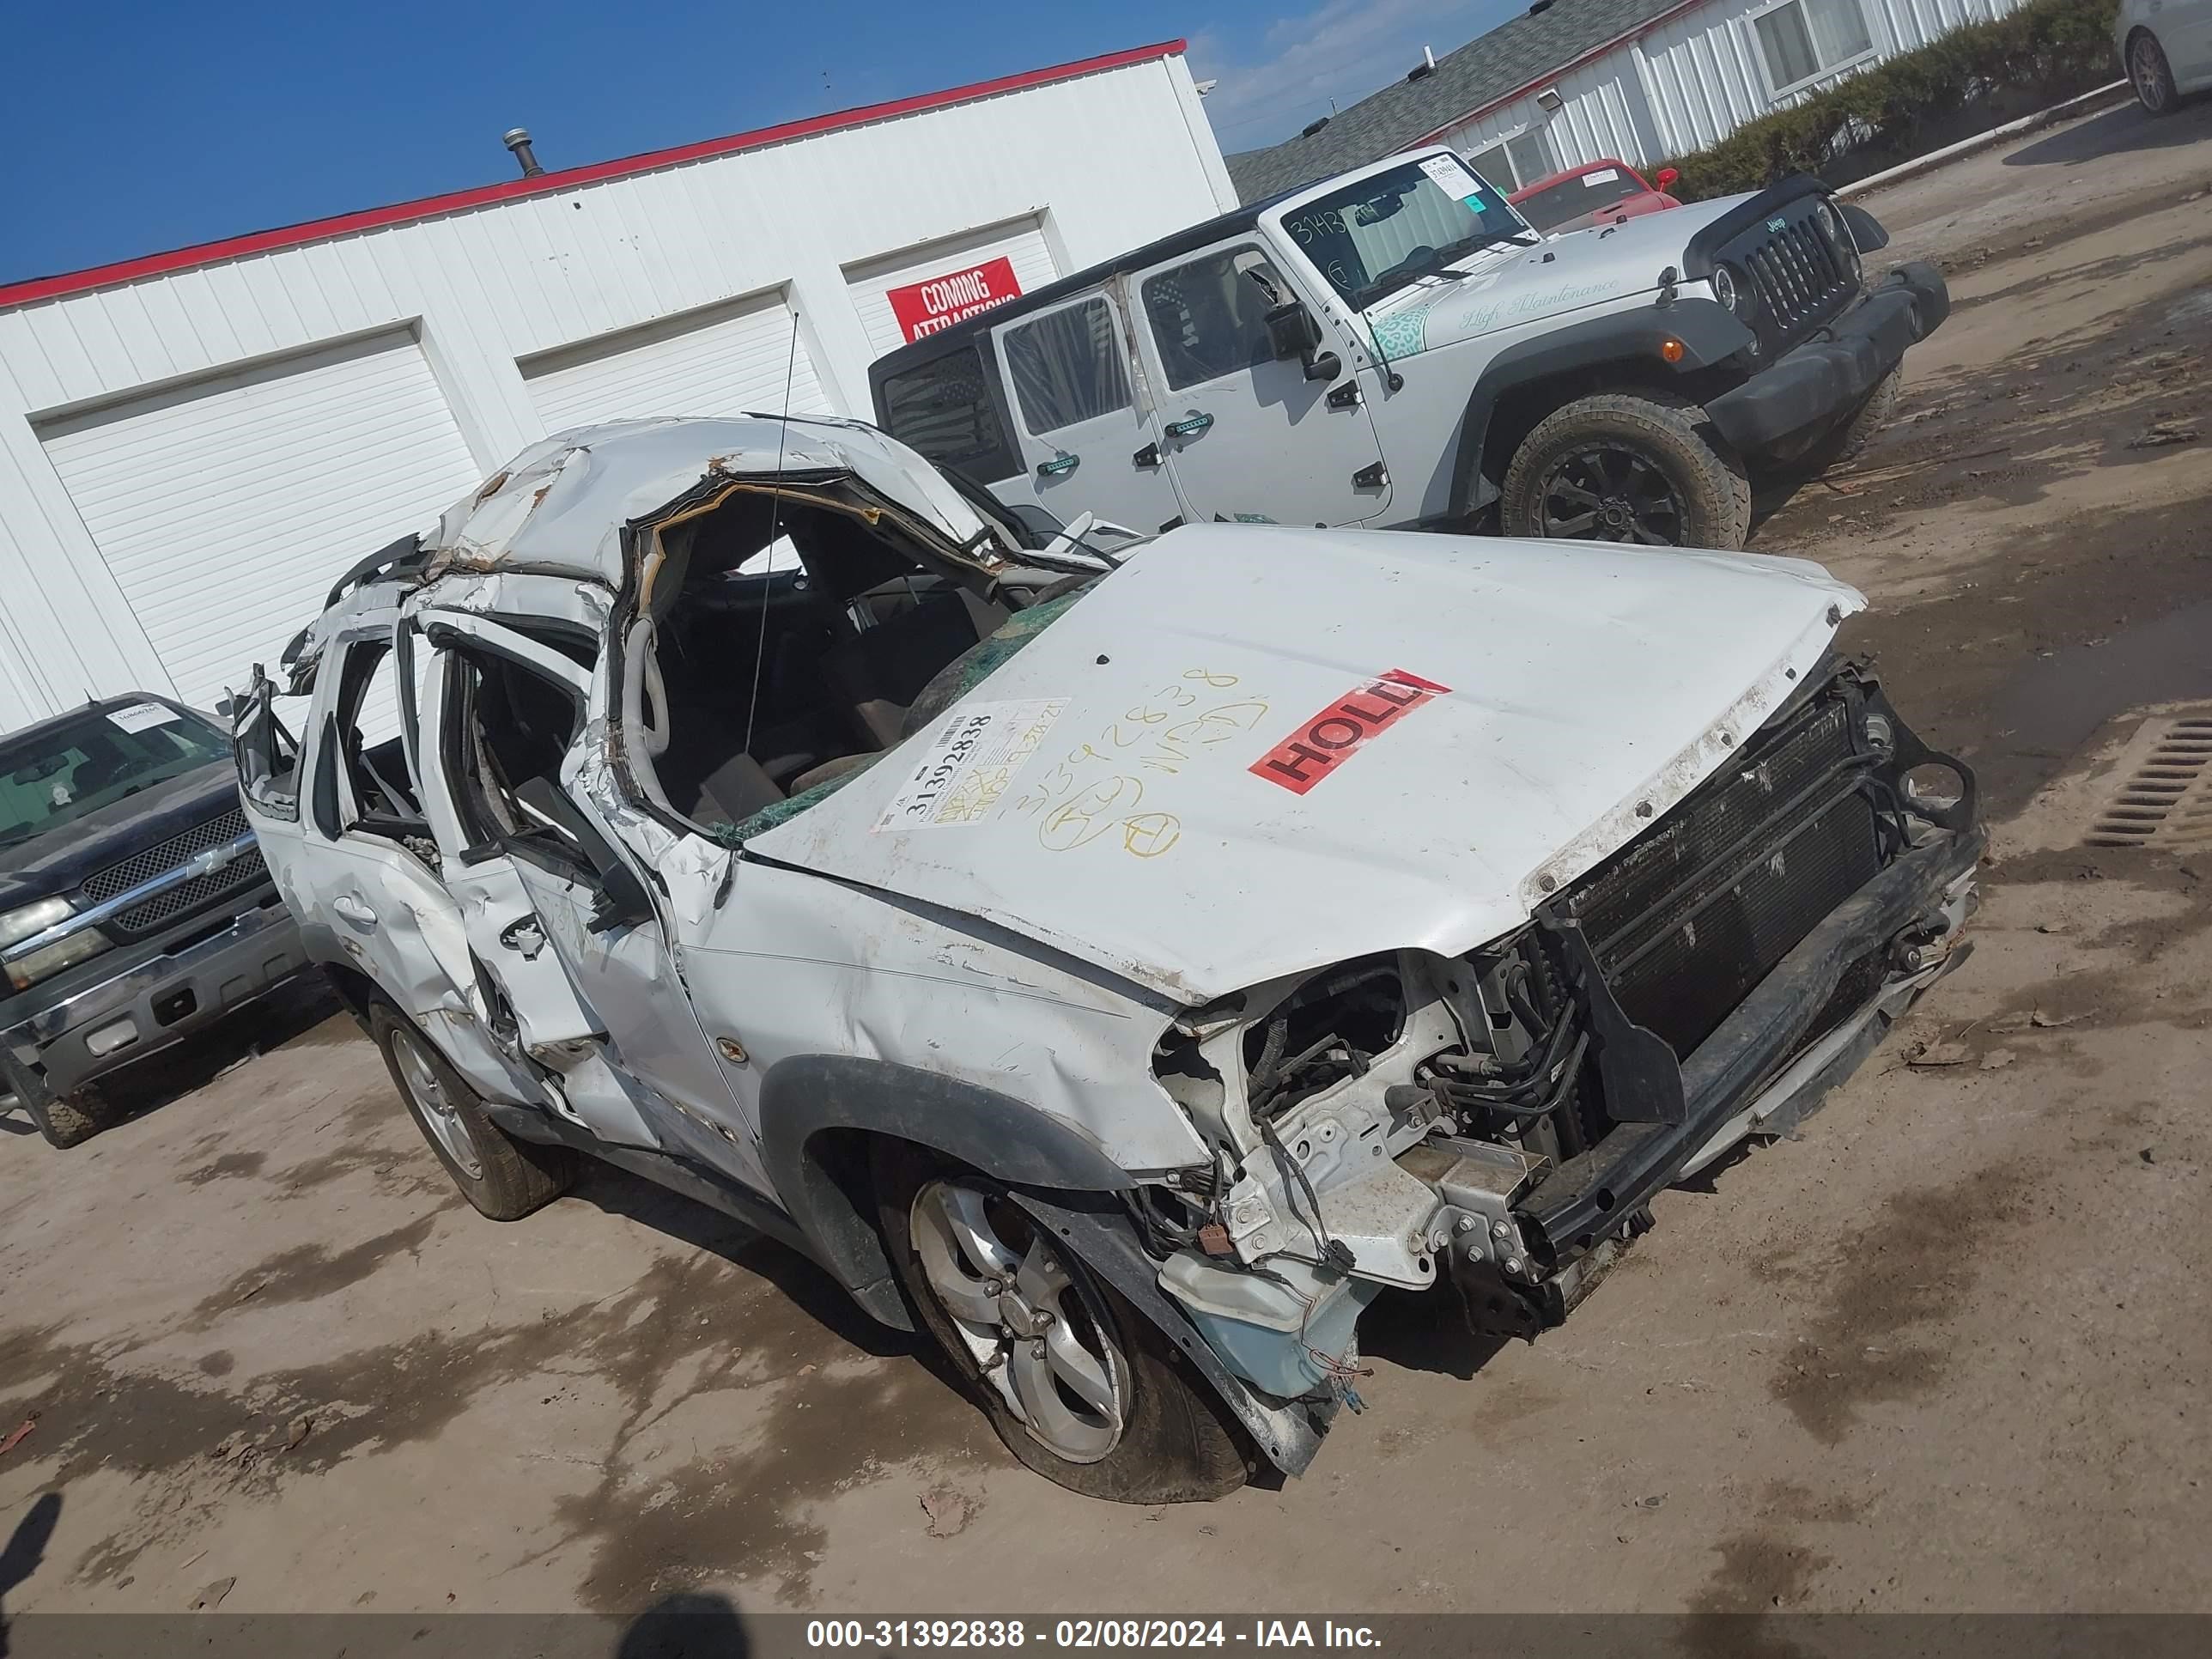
[
  {"x": 1385, "y": 230},
  {"x": 1209, "y": 318},
  {"x": 1068, "y": 367},
  {"x": 63, "y": 770},
  {"x": 947, "y": 409}
]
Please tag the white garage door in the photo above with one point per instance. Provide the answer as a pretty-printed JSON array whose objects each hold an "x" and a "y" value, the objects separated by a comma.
[
  {"x": 227, "y": 507},
  {"x": 719, "y": 360},
  {"x": 1021, "y": 244}
]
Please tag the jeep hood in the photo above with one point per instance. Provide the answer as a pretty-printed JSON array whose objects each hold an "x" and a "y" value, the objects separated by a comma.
[
  {"x": 1455, "y": 727},
  {"x": 1563, "y": 273}
]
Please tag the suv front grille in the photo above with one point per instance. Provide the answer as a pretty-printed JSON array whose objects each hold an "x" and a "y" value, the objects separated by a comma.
[
  {"x": 1798, "y": 275},
  {"x": 242, "y": 872},
  {"x": 1687, "y": 919}
]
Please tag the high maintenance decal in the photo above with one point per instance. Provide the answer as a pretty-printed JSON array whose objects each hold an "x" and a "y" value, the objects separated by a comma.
[{"x": 1328, "y": 740}]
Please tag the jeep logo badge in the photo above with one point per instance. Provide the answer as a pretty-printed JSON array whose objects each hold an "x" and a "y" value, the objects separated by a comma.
[{"x": 1778, "y": 226}]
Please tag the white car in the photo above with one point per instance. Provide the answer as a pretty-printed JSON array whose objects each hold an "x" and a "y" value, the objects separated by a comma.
[
  {"x": 2166, "y": 50},
  {"x": 1124, "y": 969}
]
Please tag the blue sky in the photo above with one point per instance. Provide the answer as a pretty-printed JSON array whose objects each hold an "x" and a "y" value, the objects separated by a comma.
[{"x": 130, "y": 128}]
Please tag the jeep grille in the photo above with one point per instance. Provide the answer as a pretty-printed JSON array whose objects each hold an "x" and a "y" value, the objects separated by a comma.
[{"x": 1799, "y": 280}]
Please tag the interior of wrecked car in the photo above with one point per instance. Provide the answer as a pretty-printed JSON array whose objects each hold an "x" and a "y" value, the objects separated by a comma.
[{"x": 791, "y": 636}]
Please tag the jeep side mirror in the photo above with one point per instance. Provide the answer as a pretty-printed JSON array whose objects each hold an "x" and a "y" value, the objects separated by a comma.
[
  {"x": 1665, "y": 178},
  {"x": 1292, "y": 333}
]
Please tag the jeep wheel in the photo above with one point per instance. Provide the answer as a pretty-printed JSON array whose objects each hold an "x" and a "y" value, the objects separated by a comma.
[
  {"x": 1627, "y": 467},
  {"x": 68, "y": 1119},
  {"x": 505, "y": 1178},
  {"x": 1080, "y": 1386},
  {"x": 2151, "y": 75},
  {"x": 1849, "y": 438}
]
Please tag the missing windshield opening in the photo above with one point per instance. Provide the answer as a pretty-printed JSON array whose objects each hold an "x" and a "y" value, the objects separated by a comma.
[{"x": 792, "y": 632}]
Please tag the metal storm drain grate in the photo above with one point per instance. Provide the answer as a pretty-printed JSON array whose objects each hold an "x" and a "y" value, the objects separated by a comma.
[{"x": 2164, "y": 800}]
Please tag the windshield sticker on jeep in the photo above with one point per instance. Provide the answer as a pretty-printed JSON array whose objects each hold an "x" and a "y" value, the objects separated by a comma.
[
  {"x": 140, "y": 716},
  {"x": 1455, "y": 180},
  {"x": 970, "y": 763},
  {"x": 1330, "y": 738}
]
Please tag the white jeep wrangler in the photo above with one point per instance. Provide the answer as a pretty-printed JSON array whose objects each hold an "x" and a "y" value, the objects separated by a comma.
[
  {"x": 1125, "y": 970},
  {"x": 1397, "y": 348}
]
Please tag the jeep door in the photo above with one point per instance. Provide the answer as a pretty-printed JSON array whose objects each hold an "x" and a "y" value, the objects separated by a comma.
[
  {"x": 560, "y": 916},
  {"x": 1090, "y": 443},
  {"x": 1245, "y": 433}
]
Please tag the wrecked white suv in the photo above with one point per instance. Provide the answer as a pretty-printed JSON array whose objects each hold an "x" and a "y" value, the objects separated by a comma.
[{"x": 1125, "y": 971}]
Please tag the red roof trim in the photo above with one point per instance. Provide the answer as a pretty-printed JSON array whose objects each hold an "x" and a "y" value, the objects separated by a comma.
[
  {"x": 316, "y": 230},
  {"x": 1546, "y": 78}
]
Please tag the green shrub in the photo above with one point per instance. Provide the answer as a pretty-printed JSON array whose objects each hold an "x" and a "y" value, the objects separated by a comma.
[{"x": 1977, "y": 77}]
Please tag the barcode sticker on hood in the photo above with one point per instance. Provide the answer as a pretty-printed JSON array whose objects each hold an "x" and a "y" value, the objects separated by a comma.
[{"x": 975, "y": 753}]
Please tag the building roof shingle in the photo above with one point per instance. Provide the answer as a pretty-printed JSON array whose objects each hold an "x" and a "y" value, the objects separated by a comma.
[{"x": 1481, "y": 72}]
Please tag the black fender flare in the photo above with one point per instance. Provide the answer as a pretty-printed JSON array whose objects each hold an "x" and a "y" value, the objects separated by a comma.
[
  {"x": 1708, "y": 332},
  {"x": 1867, "y": 234},
  {"x": 805, "y": 1097}
]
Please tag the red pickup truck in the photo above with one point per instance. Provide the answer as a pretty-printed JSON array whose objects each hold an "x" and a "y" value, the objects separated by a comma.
[{"x": 1598, "y": 192}]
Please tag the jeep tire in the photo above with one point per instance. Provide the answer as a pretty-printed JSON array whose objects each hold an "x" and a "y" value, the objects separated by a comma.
[
  {"x": 505, "y": 1178},
  {"x": 1161, "y": 1436},
  {"x": 1639, "y": 467},
  {"x": 1848, "y": 438}
]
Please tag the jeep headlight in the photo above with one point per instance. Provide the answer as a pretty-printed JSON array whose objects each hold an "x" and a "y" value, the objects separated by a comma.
[
  {"x": 1824, "y": 216},
  {"x": 1730, "y": 292},
  {"x": 32, "y": 920}
]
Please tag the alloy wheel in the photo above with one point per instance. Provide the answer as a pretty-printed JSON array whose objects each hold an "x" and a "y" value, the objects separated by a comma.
[
  {"x": 433, "y": 1105},
  {"x": 2149, "y": 76},
  {"x": 1037, "y": 1333},
  {"x": 1609, "y": 492}
]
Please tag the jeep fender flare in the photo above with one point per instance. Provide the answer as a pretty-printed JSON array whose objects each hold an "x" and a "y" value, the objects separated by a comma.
[
  {"x": 1708, "y": 332},
  {"x": 807, "y": 1097}
]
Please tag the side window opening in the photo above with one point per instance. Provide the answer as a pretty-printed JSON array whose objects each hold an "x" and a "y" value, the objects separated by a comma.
[
  {"x": 802, "y": 627},
  {"x": 386, "y": 800},
  {"x": 268, "y": 754},
  {"x": 507, "y": 729},
  {"x": 1068, "y": 367},
  {"x": 1209, "y": 317}
]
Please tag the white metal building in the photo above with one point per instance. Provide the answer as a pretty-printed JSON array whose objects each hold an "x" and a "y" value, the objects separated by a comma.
[
  {"x": 1639, "y": 81},
  {"x": 194, "y": 444}
]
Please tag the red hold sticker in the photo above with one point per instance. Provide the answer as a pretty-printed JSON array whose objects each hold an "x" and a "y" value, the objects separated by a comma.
[{"x": 1328, "y": 740}]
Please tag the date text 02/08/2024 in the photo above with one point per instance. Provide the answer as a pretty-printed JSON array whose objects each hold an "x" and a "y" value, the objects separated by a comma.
[{"x": 868, "y": 1635}]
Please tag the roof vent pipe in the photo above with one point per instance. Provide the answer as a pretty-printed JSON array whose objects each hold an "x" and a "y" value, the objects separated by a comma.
[
  {"x": 1427, "y": 66},
  {"x": 517, "y": 140}
]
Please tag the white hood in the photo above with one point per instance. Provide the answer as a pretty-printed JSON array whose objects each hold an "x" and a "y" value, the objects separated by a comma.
[
  {"x": 1097, "y": 792},
  {"x": 1563, "y": 274}
]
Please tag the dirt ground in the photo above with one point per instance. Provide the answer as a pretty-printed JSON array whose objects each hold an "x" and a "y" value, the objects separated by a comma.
[{"x": 1948, "y": 1350}]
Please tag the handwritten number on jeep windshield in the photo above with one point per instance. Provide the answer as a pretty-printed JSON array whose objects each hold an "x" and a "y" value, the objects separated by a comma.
[{"x": 1382, "y": 231}]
